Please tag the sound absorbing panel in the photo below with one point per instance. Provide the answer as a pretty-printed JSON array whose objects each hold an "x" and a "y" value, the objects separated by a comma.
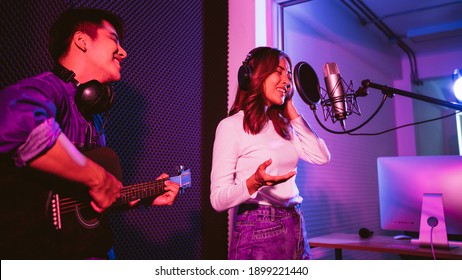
[{"x": 172, "y": 95}]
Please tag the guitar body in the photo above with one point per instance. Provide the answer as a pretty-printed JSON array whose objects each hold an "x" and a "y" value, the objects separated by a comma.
[
  {"x": 44, "y": 217},
  {"x": 27, "y": 217},
  {"x": 69, "y": 203},
  {"x": 82, "y": 231}
]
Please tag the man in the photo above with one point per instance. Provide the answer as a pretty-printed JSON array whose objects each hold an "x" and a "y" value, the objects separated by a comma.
[{"x": 47, "y": 125}]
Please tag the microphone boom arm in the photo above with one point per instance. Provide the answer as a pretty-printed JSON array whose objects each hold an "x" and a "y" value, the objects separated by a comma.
[{"x": 389, "y": 91}]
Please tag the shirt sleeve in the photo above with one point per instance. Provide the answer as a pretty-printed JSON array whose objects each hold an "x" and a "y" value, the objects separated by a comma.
[
  {"x": 309, "y": 146},
  {"x": 27, "y": 120},
  {"x": 224, "y": 192}
]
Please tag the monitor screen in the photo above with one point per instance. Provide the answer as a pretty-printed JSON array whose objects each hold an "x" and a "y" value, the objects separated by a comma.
[{"x": 403, "y": 181}]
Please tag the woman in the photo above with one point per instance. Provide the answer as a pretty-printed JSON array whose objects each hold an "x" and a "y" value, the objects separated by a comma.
[{"x": 255, "y": 158}]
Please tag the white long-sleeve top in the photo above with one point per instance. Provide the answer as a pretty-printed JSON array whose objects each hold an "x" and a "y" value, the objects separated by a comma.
[{"x": 237, "y": 155}]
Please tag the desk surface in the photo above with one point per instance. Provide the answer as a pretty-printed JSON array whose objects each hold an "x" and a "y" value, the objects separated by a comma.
[{"x": 385, "y": 244}]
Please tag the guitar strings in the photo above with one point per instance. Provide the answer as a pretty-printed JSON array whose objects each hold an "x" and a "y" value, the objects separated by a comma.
[
  {"x": 133, "y": 193},
  {"x": 128, "y": 194}
]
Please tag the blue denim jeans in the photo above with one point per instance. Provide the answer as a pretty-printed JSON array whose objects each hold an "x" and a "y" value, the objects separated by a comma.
[{"x": 269, "y": 233}]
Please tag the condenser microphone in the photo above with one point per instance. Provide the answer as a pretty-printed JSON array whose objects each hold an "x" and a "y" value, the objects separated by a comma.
[{"x": 335, "y": 91}]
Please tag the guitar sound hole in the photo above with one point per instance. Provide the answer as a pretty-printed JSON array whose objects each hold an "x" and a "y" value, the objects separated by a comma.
[{"x": 87, "y": 217}]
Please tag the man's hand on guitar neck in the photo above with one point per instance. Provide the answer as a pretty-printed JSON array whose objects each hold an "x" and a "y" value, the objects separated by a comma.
[
  {"x": 168, "y": 197},
  {"x": 171, "y": 192}
]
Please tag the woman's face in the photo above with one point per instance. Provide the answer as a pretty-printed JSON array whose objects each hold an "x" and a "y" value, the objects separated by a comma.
[{"x": 278, "y": 84}]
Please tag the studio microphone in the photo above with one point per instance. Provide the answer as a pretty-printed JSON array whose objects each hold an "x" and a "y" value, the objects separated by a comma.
[
  {"x": 336, "y": 92},
  {"x": 337, "y": 102}
]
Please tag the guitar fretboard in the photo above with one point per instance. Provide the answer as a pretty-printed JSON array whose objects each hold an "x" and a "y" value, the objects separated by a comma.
[{"x": 140, "y": 191}]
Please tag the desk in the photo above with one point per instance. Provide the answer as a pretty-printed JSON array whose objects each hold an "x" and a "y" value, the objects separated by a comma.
[{"x": 384, "y": 244}]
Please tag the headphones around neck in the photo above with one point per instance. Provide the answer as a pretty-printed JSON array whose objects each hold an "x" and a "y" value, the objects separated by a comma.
[
  {"x": 245, "y": 73},
  {"x": 92, "y": 97}
]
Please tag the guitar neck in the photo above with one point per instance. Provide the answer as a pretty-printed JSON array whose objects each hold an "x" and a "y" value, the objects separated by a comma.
[{"x": 140, "y": 191}]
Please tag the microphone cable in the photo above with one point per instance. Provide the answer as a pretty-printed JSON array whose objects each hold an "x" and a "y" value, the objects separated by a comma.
[{"x": 404, "y": 125}]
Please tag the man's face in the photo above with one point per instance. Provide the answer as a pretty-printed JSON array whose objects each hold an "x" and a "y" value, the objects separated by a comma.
[{"x": 105, "y": 55}]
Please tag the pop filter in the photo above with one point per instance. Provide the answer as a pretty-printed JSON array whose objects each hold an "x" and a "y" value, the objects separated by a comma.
[{"x": 307, "y": 83}]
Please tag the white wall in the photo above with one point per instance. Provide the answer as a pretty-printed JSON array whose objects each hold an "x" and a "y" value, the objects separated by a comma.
[{"x": 241, "y": 34}]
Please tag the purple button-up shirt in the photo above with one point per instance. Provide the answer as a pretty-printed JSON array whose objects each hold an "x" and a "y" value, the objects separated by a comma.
[{"x": 34, "y": 111}]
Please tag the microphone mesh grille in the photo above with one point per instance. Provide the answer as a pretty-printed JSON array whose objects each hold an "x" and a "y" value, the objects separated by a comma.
[{"x": 330, "y": 68}]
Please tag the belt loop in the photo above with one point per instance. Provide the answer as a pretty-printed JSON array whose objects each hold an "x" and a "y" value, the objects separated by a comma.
[{"x": 273, "y": 213}]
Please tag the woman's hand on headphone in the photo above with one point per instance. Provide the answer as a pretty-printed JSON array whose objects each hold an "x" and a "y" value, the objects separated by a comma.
[{"x": 289, "y": 109}]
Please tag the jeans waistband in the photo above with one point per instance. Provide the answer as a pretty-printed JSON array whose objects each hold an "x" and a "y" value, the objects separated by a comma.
[{"x": 268, "y": 210}]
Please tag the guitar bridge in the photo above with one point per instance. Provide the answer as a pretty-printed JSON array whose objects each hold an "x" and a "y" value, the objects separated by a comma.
[{"x": 56, "y": 211}]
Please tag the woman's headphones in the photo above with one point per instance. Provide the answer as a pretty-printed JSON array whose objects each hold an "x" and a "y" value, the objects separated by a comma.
[
  {"x": 92, "y": 97},
  {"x": 244, "y": 74}
]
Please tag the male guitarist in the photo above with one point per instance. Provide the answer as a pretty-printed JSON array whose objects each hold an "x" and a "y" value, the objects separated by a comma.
[{"x": 47, "y": 122}]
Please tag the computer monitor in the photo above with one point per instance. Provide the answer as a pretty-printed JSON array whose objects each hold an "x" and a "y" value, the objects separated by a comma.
[{"x": 422, "y": 194}]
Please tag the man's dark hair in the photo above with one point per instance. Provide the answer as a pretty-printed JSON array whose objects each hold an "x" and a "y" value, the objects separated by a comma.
[{"x": 87, "y": 20}]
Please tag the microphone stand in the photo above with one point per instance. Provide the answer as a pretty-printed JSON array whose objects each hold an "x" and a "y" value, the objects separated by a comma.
[{"x": 389, "y": 91}]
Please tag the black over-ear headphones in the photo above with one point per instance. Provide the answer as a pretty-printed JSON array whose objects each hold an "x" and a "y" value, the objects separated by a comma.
[
  {"x": 245, "y": 73},
  {"x": 92, "y": 97}
]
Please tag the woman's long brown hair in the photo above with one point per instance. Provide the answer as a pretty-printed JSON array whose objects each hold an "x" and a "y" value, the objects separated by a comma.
[{"x": 263, "y": 61}]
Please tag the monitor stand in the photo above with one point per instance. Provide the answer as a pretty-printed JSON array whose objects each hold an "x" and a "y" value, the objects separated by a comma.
[{"x": 432, "y": 223}]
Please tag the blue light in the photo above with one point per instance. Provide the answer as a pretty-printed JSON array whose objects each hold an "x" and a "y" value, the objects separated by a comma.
[{"x": 457, "y": 78}]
